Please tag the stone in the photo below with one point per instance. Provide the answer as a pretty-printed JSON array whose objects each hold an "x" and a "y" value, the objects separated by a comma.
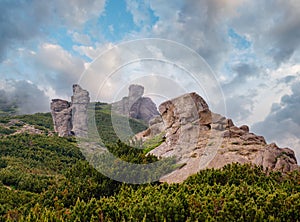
[
  {"x": 80, "y": 101},
  {"x": 144, "y": 108},
  {"x": 205, "y": 117},
  {"x": 228, "y": 123},
  {"x": 274, "y": 158},
  {"x": 156, "y": 126},
  {"x": 236, "y": 132},
  {"x": 251, "y": 138},
  {"x": 190, "y": 130},
  {"x": 70, "y": 118},
  {"x": 135, "y": 105},
  {"x": 245, "y": 128},
  {"x": 135, "y": 93},
  {"x": 61, "y": 112},
  {"x": 182, "y": 119}
]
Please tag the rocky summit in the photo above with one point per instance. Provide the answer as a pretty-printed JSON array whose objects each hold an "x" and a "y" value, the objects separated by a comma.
[
  {"x": 201, "y": 139},
  {"x": 70, "y": 118},
  {"x": 135, "y": 105}
]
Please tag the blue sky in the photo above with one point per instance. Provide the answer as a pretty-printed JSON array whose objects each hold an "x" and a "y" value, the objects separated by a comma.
[{"x": 253, "y": 47}]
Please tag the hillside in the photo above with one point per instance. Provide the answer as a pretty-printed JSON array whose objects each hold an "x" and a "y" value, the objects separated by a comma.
[{"x": 44, "y": 177}]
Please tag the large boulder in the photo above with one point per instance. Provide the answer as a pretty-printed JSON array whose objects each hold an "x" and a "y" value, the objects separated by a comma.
[{"x": 201, "y": 139}]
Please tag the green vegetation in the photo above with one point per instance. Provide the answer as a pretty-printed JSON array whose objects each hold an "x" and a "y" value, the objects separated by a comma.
[
  {"x": 46, "y": 178},
  {"x": 154, "y": 142},
  {"x": 107, "y": 128},
  {"x": 43, "y": 120},
  {"x": 6, "y": 131}
]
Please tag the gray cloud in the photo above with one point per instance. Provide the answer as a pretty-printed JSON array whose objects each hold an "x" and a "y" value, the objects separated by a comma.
[
  {"x": 22, "y": 97},
  {"x": 243, "y": 72},
  {"x": 287, "y": 79},
  {"x": 283, "y": 122},
  {"x": 274, "y": 28},
  {"x": 21, "y": 21},
  {"x": 240, "y": 106},
  {"x": 6, "y": 104},
  {"x": 198, "y": 24}
]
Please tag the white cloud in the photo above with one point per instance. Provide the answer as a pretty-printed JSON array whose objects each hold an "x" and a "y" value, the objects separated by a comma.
[
  {"x": 81, "y": 38},
  {"x": 93, "y": 52},
  {"x": 56, "y": 68},
  {"x": 165, "y": 68},
  {"x": 77, "y": 12},
  {"x": 140, "y": 12}
]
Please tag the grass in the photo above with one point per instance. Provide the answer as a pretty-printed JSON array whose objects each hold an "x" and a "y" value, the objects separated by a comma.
[{"x": 154, "y": 142}]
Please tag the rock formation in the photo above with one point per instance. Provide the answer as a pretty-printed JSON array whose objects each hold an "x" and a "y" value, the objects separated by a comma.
[
  {"x": 70, "y": 118},
  {"x": 61, "y": 112},
  {"x": 80, "y": 101},
  {"x": 135, "y": 105},
  {"x": 201, "y": 139}
]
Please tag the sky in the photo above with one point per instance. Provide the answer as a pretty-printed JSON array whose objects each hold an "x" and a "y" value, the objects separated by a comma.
[{"x": 252, "y": 49}]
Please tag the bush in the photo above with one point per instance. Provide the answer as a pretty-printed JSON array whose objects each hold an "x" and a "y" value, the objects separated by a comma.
[{"x": 3, "y": 163}]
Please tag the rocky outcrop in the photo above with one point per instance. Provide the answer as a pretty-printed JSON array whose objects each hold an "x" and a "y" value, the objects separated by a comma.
[
  {"x": 70, "y": 118},
  {"x": 200, "y": 139},
  {"x": 80, "y": 101},
  {"x": 135, "y": 105},
  {"x": 61, "y": 112}
]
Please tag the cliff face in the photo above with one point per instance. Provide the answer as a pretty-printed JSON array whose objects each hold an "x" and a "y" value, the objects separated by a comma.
[
  {"x": 135, "y": 105},
  {"x": 70, "y": 118},
  {"x": 201, "y": 139}
]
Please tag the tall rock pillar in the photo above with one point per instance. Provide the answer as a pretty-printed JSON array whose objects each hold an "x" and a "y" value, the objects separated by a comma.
[{"x": 80, "y": 101}]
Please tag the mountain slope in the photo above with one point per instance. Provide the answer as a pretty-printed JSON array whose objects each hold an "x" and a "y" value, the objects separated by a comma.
[{"x": 44, "y": 177}]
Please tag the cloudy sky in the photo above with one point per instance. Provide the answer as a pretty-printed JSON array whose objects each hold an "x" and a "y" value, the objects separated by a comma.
[{"x": 251, "y": 46}]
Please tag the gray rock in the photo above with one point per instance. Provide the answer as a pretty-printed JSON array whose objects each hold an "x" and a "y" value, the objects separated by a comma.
[
  {"x": 191, "y": 130},
  {"x": 135, "y": 92},
  {"x": 245, "y": 128},
  {"x": 70, "y": 118},
  {"x": 156, "y": 126},
  {"x": 182, "y": 120},
  {"x": 61, "y": 112},
  {"x": 80, "y": 102},
  {"x": 135, "y": 105},
  {"x": 251, "y": 138},
  {"x": 144, "y": 108}
]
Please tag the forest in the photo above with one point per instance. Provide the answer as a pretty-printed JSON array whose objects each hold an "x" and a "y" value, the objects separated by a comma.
[{"x": 44, "y": 177}]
